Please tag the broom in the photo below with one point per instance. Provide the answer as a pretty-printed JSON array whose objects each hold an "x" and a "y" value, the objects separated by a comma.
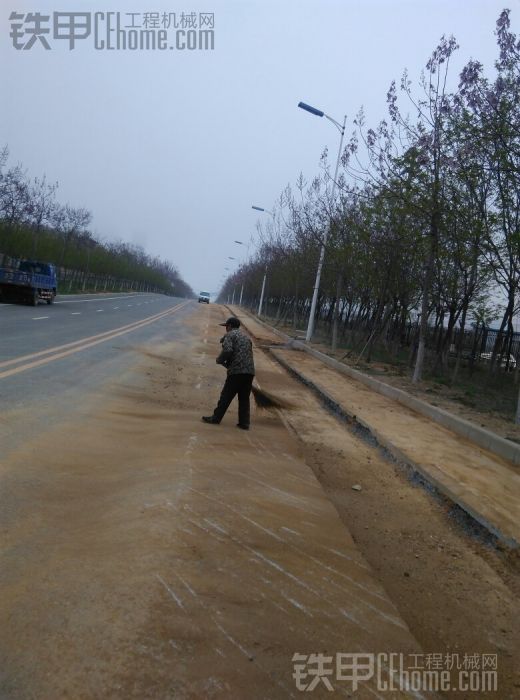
[{"x": 264, "y": 399}]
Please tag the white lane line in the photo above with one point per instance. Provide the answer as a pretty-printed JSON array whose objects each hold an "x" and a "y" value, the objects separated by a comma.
[
  {"x": 75, "y": 313},
  {"x": 80, "y": 345},
  {"x": 97, "y": 300},
  {"x": 39, "y": 318},
  {"x": 129, "y": 304},
  {"x": 115, "y": 307},
  {"x": 98, "y": 310}
]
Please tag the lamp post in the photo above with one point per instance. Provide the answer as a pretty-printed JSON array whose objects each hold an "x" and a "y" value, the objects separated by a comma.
[
  {"x": 242, "y": 287},
  {"x": 262, "y": 292},
  {"x": 233, "y": 297},
  {"x": 265, "y": 270},
  {"x": 341, "y": 129}
]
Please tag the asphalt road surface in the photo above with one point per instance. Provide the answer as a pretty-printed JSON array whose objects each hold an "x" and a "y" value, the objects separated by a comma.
[
  {"x": 53, "y": 358},
  {"x": 145, "y": 554}
]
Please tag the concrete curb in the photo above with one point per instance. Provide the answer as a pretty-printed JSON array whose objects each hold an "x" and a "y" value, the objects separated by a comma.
[
  {"x": 438, "y": 483},
  {"x": 479, "y": 436},
  {"x": 464, "y": 428}
]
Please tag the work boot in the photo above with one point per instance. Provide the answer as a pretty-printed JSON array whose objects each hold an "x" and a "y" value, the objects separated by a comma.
[
  {"x": 210, "y": 419},
  {"x": 243, "y": 427}
]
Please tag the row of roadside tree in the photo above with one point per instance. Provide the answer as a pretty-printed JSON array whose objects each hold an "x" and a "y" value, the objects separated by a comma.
[
  {"x": 423, "y": 233},
  {"x": 34, "y": 225}
]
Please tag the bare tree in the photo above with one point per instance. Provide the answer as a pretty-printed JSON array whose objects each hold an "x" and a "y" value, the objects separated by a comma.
[
  {"x": 40, "y": 207},
  {"x": 69, "y": 222}
]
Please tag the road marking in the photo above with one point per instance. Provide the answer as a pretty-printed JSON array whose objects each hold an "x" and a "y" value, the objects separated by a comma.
[
  {"x": 194, "y": 438},
  {"x": 96, "y": 299},
  {"x": 39, "y": 318},
  {"x": 75, "y": 313},
  {"x": 115, "y": 307},
  {"x": 78, "y": 345},
  {"x": 98, "y": 310}
]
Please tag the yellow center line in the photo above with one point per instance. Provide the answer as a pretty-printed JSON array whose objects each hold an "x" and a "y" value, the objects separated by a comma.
[
  {"x": 33, "y": 355},
  {"x": 82, "y": 344}
]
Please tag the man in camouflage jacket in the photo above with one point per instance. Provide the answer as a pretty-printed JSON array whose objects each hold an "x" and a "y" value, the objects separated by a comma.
[{"x": 237, "y": 357}]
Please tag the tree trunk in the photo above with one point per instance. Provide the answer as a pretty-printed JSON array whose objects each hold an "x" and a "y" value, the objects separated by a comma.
[
  {"x": 335, "y": 318},
  {"x": 460, "y": 341},
  {"x": 428, "y": 278}
]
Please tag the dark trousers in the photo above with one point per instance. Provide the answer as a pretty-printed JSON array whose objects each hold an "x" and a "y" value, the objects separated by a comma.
[{"x": 235, "y": 384}]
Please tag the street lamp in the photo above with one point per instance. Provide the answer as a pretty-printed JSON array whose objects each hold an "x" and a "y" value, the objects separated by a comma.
[
  {"x": 341, "y": 129},
  {"x": 226, "y": 268},
  {"x": 262, "y": 209},
  {"x": 265, "y": 270},
  {"x": 242, "y": 287}
]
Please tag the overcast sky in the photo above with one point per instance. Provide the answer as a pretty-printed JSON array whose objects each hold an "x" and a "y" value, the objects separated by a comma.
[{"x": 170, "y": 148}]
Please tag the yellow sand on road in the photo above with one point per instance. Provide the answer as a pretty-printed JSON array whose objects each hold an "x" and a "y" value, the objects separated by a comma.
[
  {"x": 486, "y": 485},
  {"x": 146, "y": 554}
]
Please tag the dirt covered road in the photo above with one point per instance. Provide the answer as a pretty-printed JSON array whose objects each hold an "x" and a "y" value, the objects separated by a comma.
[
  {"x": 145, "y": 554},
  {"x": 457, "y": 588}
]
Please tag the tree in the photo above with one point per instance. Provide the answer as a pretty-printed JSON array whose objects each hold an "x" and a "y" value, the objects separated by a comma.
[
  {"x": 69, "y": 223},
  {"x": 40, "y": 207},
  {"x": 410, "y": 160}
]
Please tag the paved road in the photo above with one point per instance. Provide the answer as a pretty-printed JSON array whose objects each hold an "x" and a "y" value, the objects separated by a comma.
[
  {"x": 145, "y": 554},
  {"x": 54, "y": 358},
  {"x": 27, "y": 329}
]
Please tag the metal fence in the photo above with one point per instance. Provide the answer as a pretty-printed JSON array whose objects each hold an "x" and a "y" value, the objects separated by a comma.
[
  {"x": 70, "y": 280},
  {"x": 480, "y": 343}
]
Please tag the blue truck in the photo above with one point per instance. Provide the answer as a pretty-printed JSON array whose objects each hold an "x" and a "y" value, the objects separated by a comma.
[{"x": 31, "y": 282}]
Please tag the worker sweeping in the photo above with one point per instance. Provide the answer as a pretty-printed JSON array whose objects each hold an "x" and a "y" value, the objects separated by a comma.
[{"x": 237, "y": 357}]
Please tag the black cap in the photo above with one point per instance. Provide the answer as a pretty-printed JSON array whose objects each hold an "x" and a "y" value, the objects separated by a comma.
[{"x": 232, "y": 321}]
